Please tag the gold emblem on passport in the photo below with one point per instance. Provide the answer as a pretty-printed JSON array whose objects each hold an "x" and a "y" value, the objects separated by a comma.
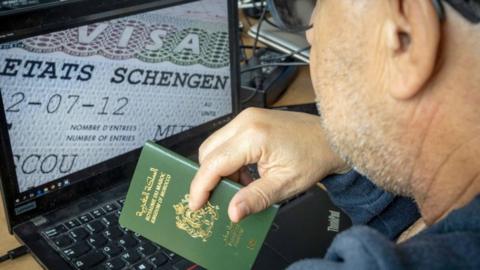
[
  {"x": 252, "y": 243},
  {"x": 198, "y": 224}
]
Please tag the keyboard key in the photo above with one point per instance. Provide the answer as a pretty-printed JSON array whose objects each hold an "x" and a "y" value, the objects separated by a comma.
[
  {"x": 143, "y": 239},
  {"x": 115, "y": 264},
  {"x": 113, "y": 233},
  {"x": 142, "y": 266},
  {"x": 125, "y": 230},
  {"x": 170, "y": 254},
  {"x": 184, "y": 265},
  {"x": 95, "y": 226},
  {"x": 110, "y": 207},
  {"x": 76, "y": 250},
  {"x": 61, "y": 228},
  {"x": 147, "y": 249},
  {"x": 90, "y": 260},
  {"x": 112, "y": 250},
  {"x": 51, "y": 233},
  {"x": 110, "y": 220},
  {"x": 97, "y": 240},
  {"x": 128, "y": 241},
  {"x": 98, "y": 212},
  {"x": 121, "y": 202},
  {"x": 158, "y": 259},
  {"x": 131, "y": 256},
  {"x": 85, "y": 218},
  {"x": 55, "y": 231},
  {"x": 79, "y": 234},
  {"x": 72, "y": 223},
  {"x": 63, "y": 241}
]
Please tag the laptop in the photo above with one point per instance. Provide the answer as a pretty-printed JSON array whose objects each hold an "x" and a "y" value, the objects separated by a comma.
[
  {"x": 294, "y": 43},
  {"x": 83, "y": 85}
]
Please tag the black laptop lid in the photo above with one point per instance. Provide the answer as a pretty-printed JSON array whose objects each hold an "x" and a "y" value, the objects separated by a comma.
[
  {"x": 24, "y": 18},
  {"x": 77, "y": 104}
]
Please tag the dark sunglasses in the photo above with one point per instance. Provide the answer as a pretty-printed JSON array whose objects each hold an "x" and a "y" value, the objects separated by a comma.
[{"x": 294, "y": 15}]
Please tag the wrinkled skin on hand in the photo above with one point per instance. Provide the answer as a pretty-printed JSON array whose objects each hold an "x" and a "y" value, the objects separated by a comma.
[{"x": 290, "y": 150}]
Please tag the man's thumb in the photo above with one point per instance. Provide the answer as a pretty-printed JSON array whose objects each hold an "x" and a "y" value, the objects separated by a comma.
[{"x": 255, "y": 197}]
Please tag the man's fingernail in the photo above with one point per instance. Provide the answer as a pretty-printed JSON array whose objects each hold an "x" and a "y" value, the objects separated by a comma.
[{"x": 191, "y": 205}]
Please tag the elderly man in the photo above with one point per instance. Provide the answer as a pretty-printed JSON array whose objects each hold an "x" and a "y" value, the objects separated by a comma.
[{"x": 398, "y": 87}]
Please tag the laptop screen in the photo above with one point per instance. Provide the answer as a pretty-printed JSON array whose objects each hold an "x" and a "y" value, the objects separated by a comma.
[
  {"x": 77, "y": 98},
  {"x": 19, "y": 5}
]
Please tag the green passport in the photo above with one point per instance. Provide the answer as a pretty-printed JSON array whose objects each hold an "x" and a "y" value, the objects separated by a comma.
[{"x": 157, "y": 208}]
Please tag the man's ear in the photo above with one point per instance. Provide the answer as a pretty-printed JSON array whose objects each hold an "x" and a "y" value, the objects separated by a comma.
[{"x": 413, "y": 38}]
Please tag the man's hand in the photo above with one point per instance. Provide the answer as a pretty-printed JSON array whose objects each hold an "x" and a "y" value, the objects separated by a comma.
[{"x": 289, "y": 148}]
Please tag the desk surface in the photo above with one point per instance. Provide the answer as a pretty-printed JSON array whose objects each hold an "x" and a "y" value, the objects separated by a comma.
[{"x": 299, "y": 92}]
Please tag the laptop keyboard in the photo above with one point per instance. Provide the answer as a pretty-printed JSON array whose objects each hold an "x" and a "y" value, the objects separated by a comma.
[{"x": 95, "y": 240}]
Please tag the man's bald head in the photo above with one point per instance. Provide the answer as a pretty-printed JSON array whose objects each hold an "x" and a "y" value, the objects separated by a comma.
[{"x": 396, "y": 86}]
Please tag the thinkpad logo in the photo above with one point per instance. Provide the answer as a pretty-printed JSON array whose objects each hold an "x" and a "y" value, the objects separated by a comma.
[{"x": 333, "y": 221}]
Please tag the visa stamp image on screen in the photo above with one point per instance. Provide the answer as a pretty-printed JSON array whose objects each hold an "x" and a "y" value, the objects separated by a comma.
[{"x": 78, "y": 97}]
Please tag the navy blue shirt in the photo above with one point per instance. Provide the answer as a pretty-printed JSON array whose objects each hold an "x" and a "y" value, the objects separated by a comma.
[{"x": 380, "y": 217}]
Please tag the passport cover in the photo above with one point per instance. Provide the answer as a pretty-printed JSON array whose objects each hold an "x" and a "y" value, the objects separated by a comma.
[{"x": 157, "y": 208}]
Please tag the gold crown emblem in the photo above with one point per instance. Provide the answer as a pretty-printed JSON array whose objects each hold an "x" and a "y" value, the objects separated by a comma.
[{"x": 198, "y": 224}]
